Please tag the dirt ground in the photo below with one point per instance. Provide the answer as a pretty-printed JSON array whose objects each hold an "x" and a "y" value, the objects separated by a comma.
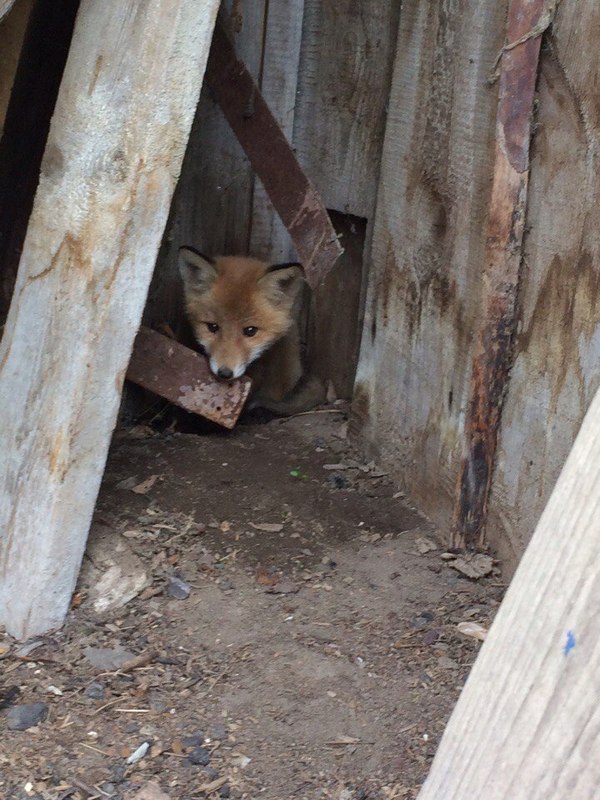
[{"x": 291, "y": 631}]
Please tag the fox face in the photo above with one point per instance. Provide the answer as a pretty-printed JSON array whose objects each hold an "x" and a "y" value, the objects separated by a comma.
[{"x": 238, "y": 307}]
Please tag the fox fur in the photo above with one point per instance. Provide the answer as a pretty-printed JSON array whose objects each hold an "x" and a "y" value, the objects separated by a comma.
[{"x": 244, "y": 316}]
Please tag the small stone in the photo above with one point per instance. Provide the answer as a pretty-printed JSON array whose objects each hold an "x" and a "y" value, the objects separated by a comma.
[
  {"x": 211, "y": 774},
  {"x": 217, "y": 732},
  {"x": 337, "y": 481},
  {"x": 22, "y": 717},
  {"x": 107, "y": 658},
  {"x": 431, "y": 637},
  {"x": 131, "y": 727},
  {"x": 178, "y": 589},
  {"x": 199, "y": 756},
  {"x": 195, "y": 740},
  {"x": 95, "y": 691},
  {"x": 225, "y": 791}
]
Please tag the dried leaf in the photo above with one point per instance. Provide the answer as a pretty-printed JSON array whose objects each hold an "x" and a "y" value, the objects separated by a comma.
[
  {"x": 473, "y": 629},
  {"x": 473, "y": 565},
  {"x": 145, "y": 486},
  {"x": 267, "y": 527},
  {"x": 265, "y": 578}
]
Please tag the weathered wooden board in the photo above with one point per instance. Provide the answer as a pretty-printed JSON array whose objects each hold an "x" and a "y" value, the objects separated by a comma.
[
  {"x": 557, "y": 363},
  {"x": 5, "y": 7},
  {"x": 182, "y": 376},
  {"x": 494, "y": 338},
  {"x": 527, "y": 725},
  {"x": 346, "y": 63},
  {"x": 116, "y": 143},
  {"x": 425, "y": 276},
  {"x": 269, "y": 238}
]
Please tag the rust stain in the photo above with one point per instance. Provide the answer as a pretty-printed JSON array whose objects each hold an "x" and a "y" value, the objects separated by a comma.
[
  {"x": 293, "y": 196},
  {"x": 506, "y": 214}
]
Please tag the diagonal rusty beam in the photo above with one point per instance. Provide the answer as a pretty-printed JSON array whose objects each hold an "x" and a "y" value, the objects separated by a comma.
[
  {"x": 293, "y": 196},
  {"x": 504, "y": 235}
]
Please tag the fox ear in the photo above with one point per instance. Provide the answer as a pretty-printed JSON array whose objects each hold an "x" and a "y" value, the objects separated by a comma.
[
  {"x": 197, "y": 271},
  {"x": 283, "y": 282}
]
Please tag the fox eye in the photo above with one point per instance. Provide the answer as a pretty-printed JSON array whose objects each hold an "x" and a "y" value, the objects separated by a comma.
[
  {"x": 212, "y": 326},
  {"x": 250, "y": 330}
]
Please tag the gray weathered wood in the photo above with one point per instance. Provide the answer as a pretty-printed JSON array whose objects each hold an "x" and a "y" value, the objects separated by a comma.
[
  {"x": 343, "y": 88},
  {"x": 422, "y": 304},
  {"x": 557, "y": 362},
  {"x": 269, "y": 238},
  {"x": 115, "y": 149},
  {"x": 527, "y": 725}
]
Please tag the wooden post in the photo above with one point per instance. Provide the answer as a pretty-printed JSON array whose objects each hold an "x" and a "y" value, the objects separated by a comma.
[
  {"x": 116, "y": 143},
  {"x": 527, "y": 725},
  {"x": 504, "y": 235}
]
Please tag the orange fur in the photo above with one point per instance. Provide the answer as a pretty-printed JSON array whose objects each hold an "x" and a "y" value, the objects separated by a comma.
[{"x": 229, "y": 297}]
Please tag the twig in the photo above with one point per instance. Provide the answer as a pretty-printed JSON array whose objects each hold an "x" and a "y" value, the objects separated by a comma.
[
  {"x": 139, "y": 661},
  {"x": 546, "y": 19}
]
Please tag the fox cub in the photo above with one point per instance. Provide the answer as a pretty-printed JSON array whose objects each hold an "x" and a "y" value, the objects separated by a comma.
[{"x": 243, "y": 313}]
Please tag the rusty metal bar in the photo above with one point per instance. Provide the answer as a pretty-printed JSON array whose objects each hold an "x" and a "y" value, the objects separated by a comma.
[
  {"x": 293, "y": 196},
  {"x": 505, "y": 223},
  {"x": 183, "y": 377}
]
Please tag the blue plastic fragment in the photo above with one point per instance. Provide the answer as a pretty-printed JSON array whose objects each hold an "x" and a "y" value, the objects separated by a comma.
[{"x": 570, "y": 643}]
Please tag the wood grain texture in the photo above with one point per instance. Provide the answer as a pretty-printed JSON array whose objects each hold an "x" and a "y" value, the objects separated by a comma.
[
  {"x": 557, "y": 352},
  {"x": 114, "y": 152},
  {"x": 428, "y": 244},
  {"x": 269, "y": 238},
  {"x": 501, "y": 270},
  {"x": 345, "y": 71},
  {"x": 527, "y": 724}
]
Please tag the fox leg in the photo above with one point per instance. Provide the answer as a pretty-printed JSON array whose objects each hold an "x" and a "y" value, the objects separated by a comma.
[{"x": 308, "y": 393}]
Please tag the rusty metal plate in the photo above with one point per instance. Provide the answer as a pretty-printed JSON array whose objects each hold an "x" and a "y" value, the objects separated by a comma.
[{"x": 182, "y": 376}]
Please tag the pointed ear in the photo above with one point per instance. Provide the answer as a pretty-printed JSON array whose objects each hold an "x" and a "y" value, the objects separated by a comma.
[
  {"x": 197, "y": 271},
  {"x": 283, "y": 282}
]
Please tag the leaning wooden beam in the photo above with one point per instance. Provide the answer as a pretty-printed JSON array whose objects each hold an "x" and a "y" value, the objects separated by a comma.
[
  {"x": 116, "y": 143},
  {"x": 28, "y": 115},
  {"x": 293, "y": 196},
  {"x": 527, "y": 725},
  {"x": 183, "y": 377},
  {"x": 500, "y": 274}
]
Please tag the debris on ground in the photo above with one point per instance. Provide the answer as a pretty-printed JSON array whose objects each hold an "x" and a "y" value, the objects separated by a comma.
[{"x": 308, "y": 648}]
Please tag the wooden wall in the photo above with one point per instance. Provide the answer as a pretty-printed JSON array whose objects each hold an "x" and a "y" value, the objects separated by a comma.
[
  {"x": 325, "y": 70},
  {"x": 423, "y": 298},
  {"x": 557, "y": 366},
  {"x": 422, "y": 306},
  {"x": 12, "y": 31}
]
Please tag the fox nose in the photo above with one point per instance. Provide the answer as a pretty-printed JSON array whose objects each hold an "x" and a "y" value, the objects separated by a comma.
[{"x": 225, "y": 373}]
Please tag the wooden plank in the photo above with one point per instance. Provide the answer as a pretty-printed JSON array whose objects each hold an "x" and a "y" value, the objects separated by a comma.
[
  {"x": 501, "y": 266},
  {"x": 428, "y": 243},
  {"x": 269, "y": 238},
  {"x": 182, "y": 376},
  {"x": 556, "y": 368},
  {"x": 345, "y": 72},
  {"x": 273, "y": 159},
  {"x": 334, "y": 330},
  {"x": 116, "y": 143},
  {"x": 527, "y": 724},
  {"x": 26, "y": 126}
]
